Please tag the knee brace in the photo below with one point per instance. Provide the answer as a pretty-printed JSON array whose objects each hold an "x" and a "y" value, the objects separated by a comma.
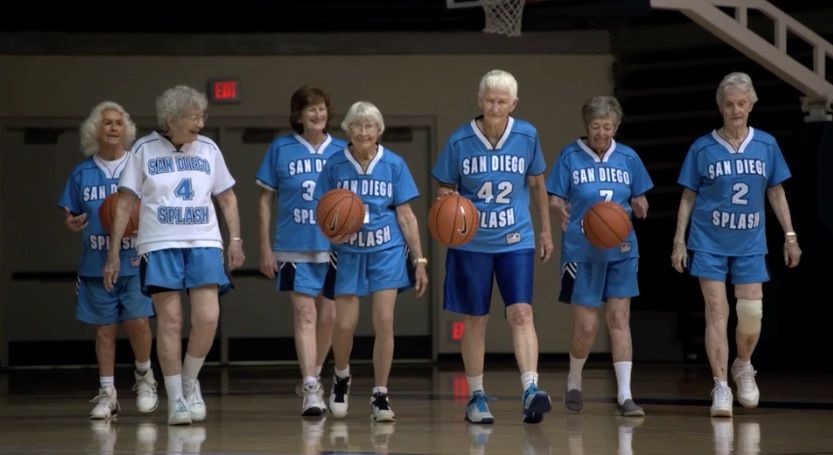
[{"x": 750, "y": 313}]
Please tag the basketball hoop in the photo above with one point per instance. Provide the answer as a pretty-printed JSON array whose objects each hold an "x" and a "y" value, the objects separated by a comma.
[{"x": 503, "y": 17}]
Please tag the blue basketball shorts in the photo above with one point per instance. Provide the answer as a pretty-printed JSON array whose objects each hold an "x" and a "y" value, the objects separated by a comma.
[
  {"x": 97, "y": 306},
  {"x": 308, "y": 278},
  {"x": 592, "y": 283},
  {"x": 176, "y": 269},
  {"x": 468, "y": 279},
  {"x": 365, "y": 273},
  {"x": 742, "y": 269}
]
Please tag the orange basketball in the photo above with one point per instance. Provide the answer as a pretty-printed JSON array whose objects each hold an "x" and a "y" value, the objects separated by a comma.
[
  {"x": 452, "y": 220},
  {"x": 607, "y": 224},
  {"x": 339, "y": 212},
  {"x": 107, "y": 212}
]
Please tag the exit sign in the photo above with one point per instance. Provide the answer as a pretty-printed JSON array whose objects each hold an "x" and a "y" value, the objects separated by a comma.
[{"x": 224, "y": 91}]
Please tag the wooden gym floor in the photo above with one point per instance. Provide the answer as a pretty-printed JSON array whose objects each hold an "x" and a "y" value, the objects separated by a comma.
[{"x": 253, "y": 410}]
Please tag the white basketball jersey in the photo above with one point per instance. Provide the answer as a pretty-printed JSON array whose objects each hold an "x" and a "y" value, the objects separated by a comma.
[{"x": 176, "y": 188}]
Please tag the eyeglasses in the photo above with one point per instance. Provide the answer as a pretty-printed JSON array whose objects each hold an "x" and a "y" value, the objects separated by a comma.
[
  {"x": 195, "y": 117},
  {"x": 359, "y": 127}
]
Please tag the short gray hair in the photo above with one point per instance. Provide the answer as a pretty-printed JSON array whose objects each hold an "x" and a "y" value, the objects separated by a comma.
[
  {"x": 89, "y": 129},
  {"x": 599, "y": 107},
  {"x": 740, "y": 81},
  {"x": 177, "y": 102},
  {"x": 498, "y": 80},
  {"x": 360, "y": 111}
]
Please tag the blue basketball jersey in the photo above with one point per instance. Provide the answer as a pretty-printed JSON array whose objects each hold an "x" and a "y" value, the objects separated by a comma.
[
  {"x": 583, "y": 178},
  {"x": 386, "y": 184},
  {"x": 728, "y": 214},
  {"x": 291, "y": 168},
  {"x": 495, "y": 179},
  {"x": 87, "y": 186}
]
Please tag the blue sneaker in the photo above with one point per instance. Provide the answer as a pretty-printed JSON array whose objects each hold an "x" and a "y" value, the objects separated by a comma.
[
  {"x": 536, "y": 403},
  {"x": 477, "y": 410}
]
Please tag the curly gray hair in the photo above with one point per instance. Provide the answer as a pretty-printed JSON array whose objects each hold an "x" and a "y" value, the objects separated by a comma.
[
  {"x": 177, "y": 102},
  {"x": 89, "y": 129}
]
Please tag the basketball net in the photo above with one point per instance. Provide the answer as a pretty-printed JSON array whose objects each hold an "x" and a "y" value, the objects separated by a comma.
[{"x": 503, "y": 16}]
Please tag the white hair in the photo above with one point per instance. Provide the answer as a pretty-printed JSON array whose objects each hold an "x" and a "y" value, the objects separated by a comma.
[
  {"x": 89, "y": 129},
  {"x": 177, "y": 102},
  {"x": 498, "y": 80},
  {"x": 361, "y": 111},
  {"x": 740, "y": 81}
]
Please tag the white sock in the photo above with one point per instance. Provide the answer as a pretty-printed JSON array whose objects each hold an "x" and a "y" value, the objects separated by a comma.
[
  {"x": 379, "y": 389},
  {"x": 623, "y": 379},
  {"x": 191, "y": 367},
  {"x": 345, "y": 373},
  {"x": 104, "y": 381},
  {"x": 310, "y": 380},
  {"x": 475, "y": 383},
  {"x": 529, "y": 378},
  {"x": 143, "y": 367},
  {"x": 173, "y": 387},
  {"x": 574, "y": 377}
]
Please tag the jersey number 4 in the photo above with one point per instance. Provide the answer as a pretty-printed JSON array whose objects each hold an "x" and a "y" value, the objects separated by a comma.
[{"x": 184, "y": 190}]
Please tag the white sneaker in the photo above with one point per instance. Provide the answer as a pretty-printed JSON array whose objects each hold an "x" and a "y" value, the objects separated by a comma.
[
  {"x": 145, "y": 387},
  {"x": 313, "y": 404},
  {"x": 748, "y": 393},
  {"x": 380, "y": 408},
  {"x": 339, "y": 396},
  {"x": 106, "y": 403},
  {"x": 721, "y": 400},
  {"x": 178, "y": 412},
  {"x": 196, "y": 404}
]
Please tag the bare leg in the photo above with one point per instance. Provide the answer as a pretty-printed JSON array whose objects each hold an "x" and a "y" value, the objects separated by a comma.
[
  {"x": 105, "y": 349},
  {"x": 473, "y": 345},
  {"x": 347, "y": 317},
  {"x": 305, "y": 336},
  {"x": 524, "y": 337},
  {"x": 717, "y": 318},
  {"x": 205, "y": 316},
  {"x": 169, "y": 332},
  {"x": 326, "y": 310},
  {"x": 383, "y": 305},
  {"x": 141, "y": 337},
  {"x": 585, "y": 328},
  {"x": 619, "y": 327}
]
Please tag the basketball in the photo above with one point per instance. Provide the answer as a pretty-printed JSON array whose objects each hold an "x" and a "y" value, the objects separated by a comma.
[
  {"x": 607, "y": 224},
  {"x": 107, "y": 212},
  {"x": 452, "y": 220},
  {"x": 340, "y": 212}
]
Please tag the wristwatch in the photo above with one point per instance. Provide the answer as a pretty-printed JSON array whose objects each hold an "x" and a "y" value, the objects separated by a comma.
[{"x": 423, "y": 261}]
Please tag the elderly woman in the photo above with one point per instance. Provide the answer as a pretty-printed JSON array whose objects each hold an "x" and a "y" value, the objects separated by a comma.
[
  {"x": 591, "y": 277},
  {"x": 496, "y": 161},
  {"x": 726, "y": 176},
  {"x": 104, "y": 136},
  {"x": 298, "y": 253},
  {"x": 374, "y": 261},
  {"x": 175, "y": 172}
]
